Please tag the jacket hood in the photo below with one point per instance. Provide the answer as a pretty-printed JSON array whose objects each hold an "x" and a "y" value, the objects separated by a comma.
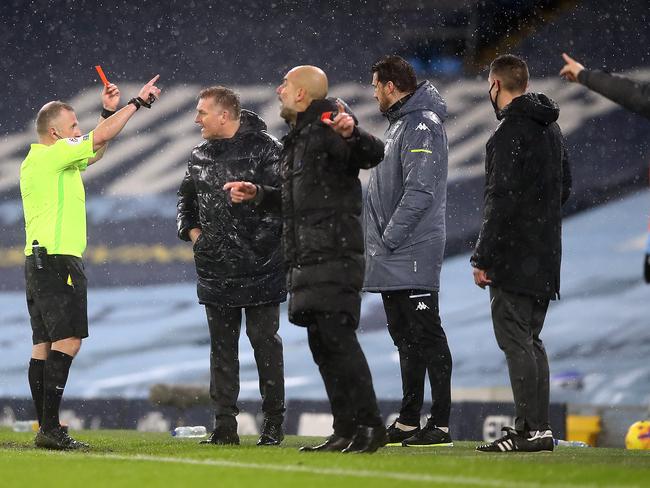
[
  {"x": 250, "y": 122},
  {"x": 425, "y": 97},
  {"x": 536, "y": 106}
]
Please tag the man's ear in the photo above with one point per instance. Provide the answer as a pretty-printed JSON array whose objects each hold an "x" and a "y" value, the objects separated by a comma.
[
  {"x": 300, "y": 95},
  {"x": 390, "y": 87}
]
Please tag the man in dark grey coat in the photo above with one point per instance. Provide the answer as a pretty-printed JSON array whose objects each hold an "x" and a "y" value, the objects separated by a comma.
[{"x": 404, "y": 216}]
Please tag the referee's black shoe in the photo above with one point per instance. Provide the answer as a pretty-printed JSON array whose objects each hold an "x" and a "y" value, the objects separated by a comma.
[
  {"x": 334, "y": 443},
  {"x": 367, "y": 439},
  {"x": 272, "y": 433},
  {"x": 58, "y": 439}
]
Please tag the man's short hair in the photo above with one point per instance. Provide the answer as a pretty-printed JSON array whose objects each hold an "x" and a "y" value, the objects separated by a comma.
[
  {"x": 512, "y": 71},
  {"x": 398, "y": 70},
  {"x": 48, "y": 113},
  {"x": 225, "y": 97}
]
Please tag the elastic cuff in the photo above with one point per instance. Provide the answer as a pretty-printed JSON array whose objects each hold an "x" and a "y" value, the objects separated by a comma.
[
  {"x": 354, "y": 136},
  {"x": 582, "y": 77},
  {"x": 107, "y": 113},
  {"x": 259, "y": 196}
]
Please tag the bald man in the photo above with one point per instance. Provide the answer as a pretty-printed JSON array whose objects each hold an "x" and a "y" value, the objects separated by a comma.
[{"x": 320, "y": 199}]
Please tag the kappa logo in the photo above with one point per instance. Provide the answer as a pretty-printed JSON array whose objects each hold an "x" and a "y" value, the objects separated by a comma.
[
  {"x": 422, "y": 126},
  {"x": 422, "y": 306}
]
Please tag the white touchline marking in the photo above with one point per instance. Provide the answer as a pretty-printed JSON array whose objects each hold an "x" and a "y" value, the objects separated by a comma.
[{"x": 424, "y": 478}]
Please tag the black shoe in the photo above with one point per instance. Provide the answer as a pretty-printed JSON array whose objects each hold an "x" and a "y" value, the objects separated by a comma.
[
  {"x": 367, "y": 439},
  {"x": 224, "y": 433},
  {"x": 272, "y": 433},
  {"x": 333, "y": 443},
  {"x": 397, "y": 435},
  {"x": 544, "y": 440},
  {"x": 429, "y": 436},
  {"x": 59, "y": 439},
  {"x": 515, "y": 441}
]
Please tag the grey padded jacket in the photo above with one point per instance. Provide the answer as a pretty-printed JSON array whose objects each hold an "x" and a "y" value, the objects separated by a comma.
[{"x": 404, "y": 211}]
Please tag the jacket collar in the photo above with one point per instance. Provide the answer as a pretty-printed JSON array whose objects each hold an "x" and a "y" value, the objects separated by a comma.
[
  {"x": 393, "y": 112},
  {"x": 314, "y": 112}
]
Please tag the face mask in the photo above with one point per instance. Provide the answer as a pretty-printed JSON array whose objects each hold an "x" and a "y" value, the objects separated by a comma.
[{"x": 497, "y": 111}]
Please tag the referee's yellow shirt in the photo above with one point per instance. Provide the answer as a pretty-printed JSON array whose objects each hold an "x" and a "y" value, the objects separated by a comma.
[{"x": 54, "y": 200}]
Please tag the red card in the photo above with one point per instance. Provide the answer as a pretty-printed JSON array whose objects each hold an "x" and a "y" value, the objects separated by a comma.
[{"x": 100, "y": 71}]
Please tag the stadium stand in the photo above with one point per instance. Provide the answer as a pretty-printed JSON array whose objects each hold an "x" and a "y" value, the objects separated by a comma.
[{"x": 602, "y": 313}]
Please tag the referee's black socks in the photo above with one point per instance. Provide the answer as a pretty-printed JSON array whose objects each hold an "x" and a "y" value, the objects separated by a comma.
[
  {"x": 57, "y": 367},
  {"x": 35, "y": 375}
]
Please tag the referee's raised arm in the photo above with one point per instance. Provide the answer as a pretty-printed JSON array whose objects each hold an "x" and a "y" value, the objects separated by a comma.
[{"x": 111, "y": 126}]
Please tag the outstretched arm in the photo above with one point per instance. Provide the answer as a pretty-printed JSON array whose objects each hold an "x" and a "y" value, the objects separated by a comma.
[
  {"x": 268, "y": 197},
  {"x": 630, "y": 94},
  {"x": 110, "y": 101},
  {"x": 112, "y": 126}
]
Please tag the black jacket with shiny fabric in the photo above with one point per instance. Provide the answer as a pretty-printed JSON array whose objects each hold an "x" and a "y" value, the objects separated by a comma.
[{"x": 238, "y": 256}]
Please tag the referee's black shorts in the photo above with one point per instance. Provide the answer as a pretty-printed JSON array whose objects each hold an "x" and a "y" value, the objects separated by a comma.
[{"x": 57, "y": 298}]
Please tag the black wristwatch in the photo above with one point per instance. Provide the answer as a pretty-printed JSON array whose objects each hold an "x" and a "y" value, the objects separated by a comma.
[{"x": 139, "y": 102}]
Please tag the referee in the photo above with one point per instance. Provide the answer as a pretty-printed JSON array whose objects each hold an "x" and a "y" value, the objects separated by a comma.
[{"x": 55, "y": 225}]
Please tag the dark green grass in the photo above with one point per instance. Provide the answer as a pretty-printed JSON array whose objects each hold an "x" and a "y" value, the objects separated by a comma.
[{"x": 128, "y": 458}]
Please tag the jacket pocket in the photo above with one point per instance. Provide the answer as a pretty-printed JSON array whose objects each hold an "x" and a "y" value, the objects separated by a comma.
[{"x": 316, "y": 236}]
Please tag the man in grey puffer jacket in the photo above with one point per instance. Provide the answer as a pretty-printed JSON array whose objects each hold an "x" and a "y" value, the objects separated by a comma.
[{"x": 404, "y": 217}]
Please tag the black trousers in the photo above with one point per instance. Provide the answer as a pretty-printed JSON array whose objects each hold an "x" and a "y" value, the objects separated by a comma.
[
  {"x": 262, "y": 324},
  {"x": 414, "y": 325},
  {"x": 518, "y": 321},
  {"x": 344, "y": 369}
]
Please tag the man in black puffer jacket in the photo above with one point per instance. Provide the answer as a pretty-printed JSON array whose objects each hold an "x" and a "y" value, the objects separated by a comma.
[
  {"x": 238, "y": 256},
  {"x": 519, "y": 248},
  {"x": 323, "y": 247}
]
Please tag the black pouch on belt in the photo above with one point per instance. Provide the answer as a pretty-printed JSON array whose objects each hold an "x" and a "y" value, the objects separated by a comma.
[{"x": 40, "y": 255}]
